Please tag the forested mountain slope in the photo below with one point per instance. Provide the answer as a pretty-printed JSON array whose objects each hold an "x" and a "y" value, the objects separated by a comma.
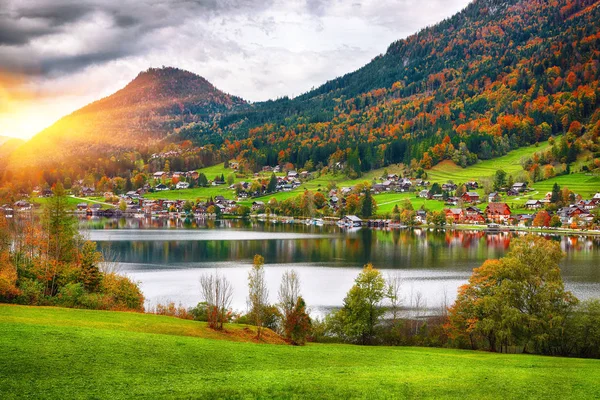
[{"x": 498, "y": 75}]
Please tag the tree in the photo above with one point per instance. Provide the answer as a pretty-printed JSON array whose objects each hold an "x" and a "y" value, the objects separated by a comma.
[
  {"x": 542, "y": 218},
  {"x": 60, "y": 226},
  {"x": 202, "y": 180},
  {"x": 216, "y": 292},
  {"x": 368, "y": 205},
  {"x": 555, "y": 221},
  {"x": 499, "y": 179},
  {"x": 296, "y": 322},
  {"x": 362, "y": 306},
  {"x": 556, "y": 194},
  {"x": 90, "y": 275},
  {"x": 272, "y": 186},
  {"x": 230, "y": 179},
  {"x": 258, "y": 293},
  {"x": 515, "y": 301},
  {"x": 393, "y": 294}
]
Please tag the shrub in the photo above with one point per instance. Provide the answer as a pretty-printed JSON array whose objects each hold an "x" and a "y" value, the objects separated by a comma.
[
  {"x": 121, "y": 293},
  {"x": 32, "y": 292},
  {"x": 70, "y": 295}
]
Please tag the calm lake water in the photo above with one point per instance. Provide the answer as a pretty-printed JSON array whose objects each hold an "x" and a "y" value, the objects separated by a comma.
[{"x": 168, "y": 257}]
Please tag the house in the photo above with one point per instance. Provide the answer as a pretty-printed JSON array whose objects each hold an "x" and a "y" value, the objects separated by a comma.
[
  {"x": 234, "y": 165},
  {"x": 182, "y": 185},
  {"x": 456, "y": 214},
  {"x": 497, "y": 212},
  {"x": 219, "y": 199},
  {"x": 524, "y": 220},
  {"x": 470, "y": 197},
  {"x": 533, "y": 204},
  {"x": 596, "y": 196},
  {"x": 258, "y": 206},
  {"x": 87, "y": 191},
  {"x": 473, "y": 215},
  {"x": 277, "y": 169},
  {"x": 351, "y": 221},
  {"x": 512, "y": 192},
  {"x": 439, "y": 197},
  {"x": 161, "y": 187},
  {"x": 82, "y": 206},
  {"x": 22, "y": 205},
  {"x": 472, "y": 185},
  {"x": 304, "y": 174},
  {"x": 292, "y": 174},
  {"x": 494, "y": 197},
  {"x": 378, "y": 188},
  {"x": 519, "y": 187},
  {"x": 421, "y": 217},
  {"x": 267, "y": 168},
  {"x": 449, "y": 187},
  {"x": 159, "y": 175},
  {"x": 588, "y": 204},
  {"x": 453, "y": 201},
  {"x": 424, "y": 194},
  {"x": 571, "y": 214},
  {"x": 392, "y": 177}
]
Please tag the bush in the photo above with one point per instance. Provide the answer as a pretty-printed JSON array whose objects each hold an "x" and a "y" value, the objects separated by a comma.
[
  {"x": 172, "y": 310},
  {"x": 121, "y": 293},
  {"x": 199, "y": 313},
  {"x": 32, "y": 292},
  {"x": 70, "y": 295}
]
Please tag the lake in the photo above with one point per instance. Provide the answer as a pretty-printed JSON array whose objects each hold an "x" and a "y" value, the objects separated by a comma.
[{"x": 167, "y": 258}]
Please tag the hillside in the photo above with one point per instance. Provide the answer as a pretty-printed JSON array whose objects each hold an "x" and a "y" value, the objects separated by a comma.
[
  {"x": 499, "y": 75},
  {"x": 145, "y": 111},
  {"x": 141, "y": 362}
]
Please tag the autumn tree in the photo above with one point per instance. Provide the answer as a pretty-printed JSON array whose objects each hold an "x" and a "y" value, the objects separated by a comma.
[
  {"x": 518, "y": 300},
  {"x": 292, "y": 308},
  {"x": 89, "y": 274},
  {"x": 542, "y": 218},
  {"x": 258, "y": 294}
]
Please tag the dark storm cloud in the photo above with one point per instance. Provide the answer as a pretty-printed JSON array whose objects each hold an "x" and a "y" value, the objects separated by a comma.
[{"x": 31, "y": 32}]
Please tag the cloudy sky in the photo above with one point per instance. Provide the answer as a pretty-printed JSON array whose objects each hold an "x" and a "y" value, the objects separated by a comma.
[{"x": 58, "y": 55}]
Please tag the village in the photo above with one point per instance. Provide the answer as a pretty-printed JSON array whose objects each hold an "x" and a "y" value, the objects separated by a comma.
[{"x": 448, "y": 204}]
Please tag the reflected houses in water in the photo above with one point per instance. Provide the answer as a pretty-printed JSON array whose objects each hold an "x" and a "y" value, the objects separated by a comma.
[{"x": 458, "y": 250}]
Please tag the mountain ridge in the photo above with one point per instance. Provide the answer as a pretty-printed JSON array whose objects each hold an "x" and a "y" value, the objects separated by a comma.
[{"x": 498, "y": 75}]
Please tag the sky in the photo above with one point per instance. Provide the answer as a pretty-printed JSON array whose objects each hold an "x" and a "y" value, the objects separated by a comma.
[{"x": 57, "y": 55}]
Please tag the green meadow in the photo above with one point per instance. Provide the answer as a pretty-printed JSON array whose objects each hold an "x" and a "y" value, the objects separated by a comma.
[{"x": 53, "y": 353}]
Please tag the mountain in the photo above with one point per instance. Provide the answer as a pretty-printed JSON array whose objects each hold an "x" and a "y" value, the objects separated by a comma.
[
  {"x": 144, "y": 112},
  {"x": 498, "y": 75}
]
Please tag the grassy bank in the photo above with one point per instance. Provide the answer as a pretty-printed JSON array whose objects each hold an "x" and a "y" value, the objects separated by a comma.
[{"x": 58, "y": 353}]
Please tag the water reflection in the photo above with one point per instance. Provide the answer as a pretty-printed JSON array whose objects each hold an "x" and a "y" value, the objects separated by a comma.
[{"x": 168, "y": 257}]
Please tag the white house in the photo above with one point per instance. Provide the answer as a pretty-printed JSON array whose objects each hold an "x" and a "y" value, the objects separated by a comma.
[{"x": 182, "y": 185}]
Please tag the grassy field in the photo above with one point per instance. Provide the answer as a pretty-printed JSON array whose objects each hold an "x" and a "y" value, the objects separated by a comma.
[
  {"x": 581, "y": 183},
  {"x": 510, "y": 163},
  {"x": 58, "y": 353}
]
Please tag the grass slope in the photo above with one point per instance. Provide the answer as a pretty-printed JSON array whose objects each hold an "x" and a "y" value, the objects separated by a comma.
[
  {"x": 58, "y": 353},
  {"x": 510, "y": 163}
]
